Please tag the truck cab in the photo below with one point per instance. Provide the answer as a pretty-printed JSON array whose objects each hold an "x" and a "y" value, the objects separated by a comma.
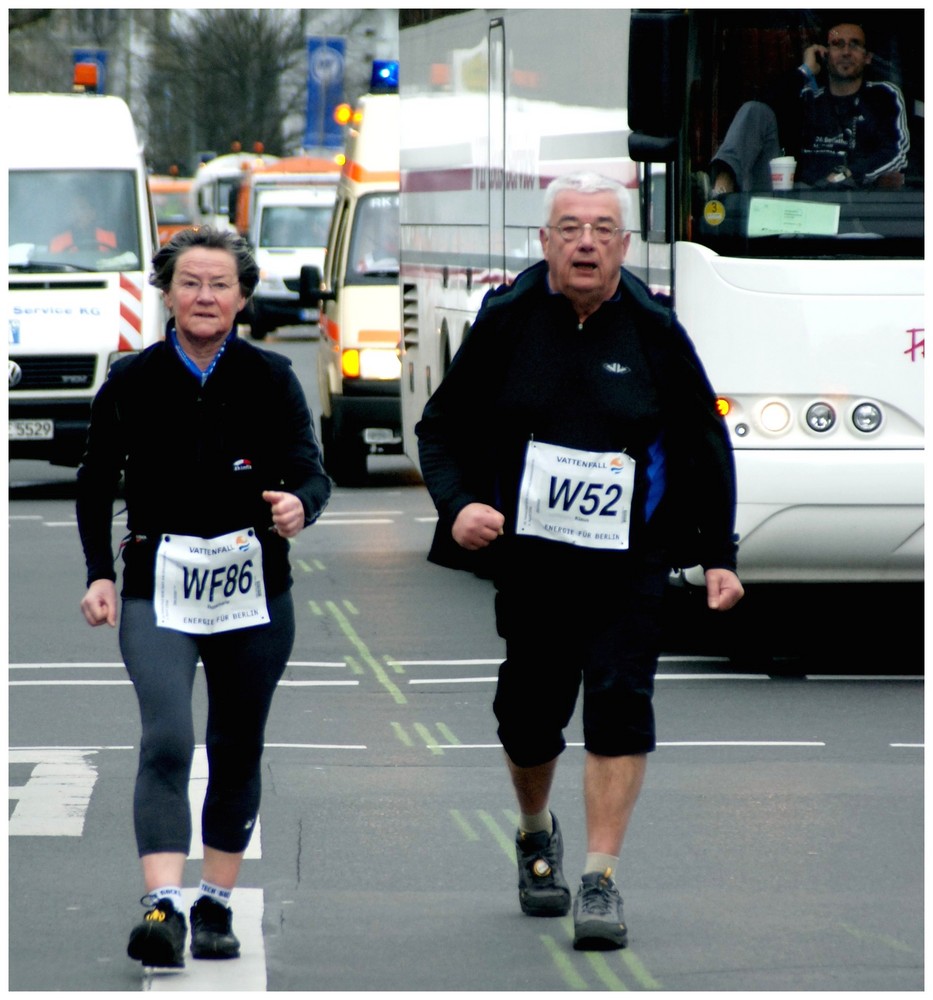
[
  {"x": 288, "y": 232},
  {"x": 82, "y": 233}
]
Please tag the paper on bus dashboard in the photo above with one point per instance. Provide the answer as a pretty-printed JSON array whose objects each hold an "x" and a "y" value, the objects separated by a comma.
[{"x": 778, "y": 216}]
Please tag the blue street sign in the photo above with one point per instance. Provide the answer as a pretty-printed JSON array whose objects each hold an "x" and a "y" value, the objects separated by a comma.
[{"x": 325, "y": 92}]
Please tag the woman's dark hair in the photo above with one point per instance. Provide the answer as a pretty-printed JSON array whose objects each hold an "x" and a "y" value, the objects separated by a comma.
[{"x": 163, "y": 263}]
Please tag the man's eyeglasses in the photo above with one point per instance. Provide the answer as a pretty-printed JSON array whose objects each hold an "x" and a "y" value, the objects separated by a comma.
[
  {"x": 840, "y": 44},
  {"x": 571, "y": 232}
]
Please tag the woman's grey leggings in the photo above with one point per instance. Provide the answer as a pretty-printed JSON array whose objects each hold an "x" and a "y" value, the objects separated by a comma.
[{"x": 242, "y": 669}]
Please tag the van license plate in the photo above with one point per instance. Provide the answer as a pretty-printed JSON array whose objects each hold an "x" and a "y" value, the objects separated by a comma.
[{"x": 32, "y": 430}]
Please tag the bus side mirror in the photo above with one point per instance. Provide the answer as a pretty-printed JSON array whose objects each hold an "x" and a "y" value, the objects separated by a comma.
[
  {"x": 657, "y": 84},
  {"x": 657, "y": 74},
  {"x": 310, "y": 292}
]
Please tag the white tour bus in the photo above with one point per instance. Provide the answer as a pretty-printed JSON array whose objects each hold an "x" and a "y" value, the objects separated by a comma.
[{"x": 806, "y": 305}]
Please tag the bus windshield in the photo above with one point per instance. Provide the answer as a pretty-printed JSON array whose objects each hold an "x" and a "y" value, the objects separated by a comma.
[
  {"x": 74, "y": 219},
  {"x": 842, "y": 105}
]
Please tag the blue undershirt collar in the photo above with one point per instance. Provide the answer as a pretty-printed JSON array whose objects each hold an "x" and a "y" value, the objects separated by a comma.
[{"x": 201, "y": 376}]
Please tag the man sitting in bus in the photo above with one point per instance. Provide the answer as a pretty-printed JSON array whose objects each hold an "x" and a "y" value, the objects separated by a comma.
[
  {"x": 845, "y": 131},
  {"x": 83, "y": 234}
]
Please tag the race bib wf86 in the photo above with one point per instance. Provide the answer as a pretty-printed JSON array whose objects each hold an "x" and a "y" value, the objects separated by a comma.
[
  {"x": 207, "y": 585},
  {"x": 577, "y": 497}
]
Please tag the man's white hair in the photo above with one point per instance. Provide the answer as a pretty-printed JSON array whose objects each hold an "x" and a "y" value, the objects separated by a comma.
[{"x": 586, "y": 182}]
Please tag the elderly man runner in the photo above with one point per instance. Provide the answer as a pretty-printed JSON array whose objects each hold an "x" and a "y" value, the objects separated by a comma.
[{"x": 574, "y": 454}]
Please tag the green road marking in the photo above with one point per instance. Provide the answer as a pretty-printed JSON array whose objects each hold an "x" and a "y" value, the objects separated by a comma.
[
  {"x": 641, "y": 974},
  {"x": 354, "y": 666},
  {"x": 302, "y": 565},
  {"x": 502, "y": 839},
  {"x": 401, "y": 733},
  {"x": 562, "y": 960},
  {"x": 315, "y": 608},
  {"x": 429, "y": 740},
  {"x": 626, "y": 956},
  {"x": 351, "y": 608},
  {"x": 395, "y": 665},
  {"x": 881, "y": 938},
  {"x": 447, "y": 734},
  {"x": 465, "y": 827},
  {"x": 364, "y": 652},
  {"x": 598, "y": 962},
  {"x": 603, "y": 972},
  {"x": 318, "y": 564}
]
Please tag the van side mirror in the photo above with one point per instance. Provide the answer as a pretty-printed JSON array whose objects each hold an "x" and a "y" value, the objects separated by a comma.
[{"x": 310, "y": 292}]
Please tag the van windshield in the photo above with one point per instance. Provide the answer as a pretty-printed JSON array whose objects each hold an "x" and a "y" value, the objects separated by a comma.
[
  {"x": 295, "y": 225},
  {"x": 74, "y": 219},
  {"x": 374, "y": 242}
]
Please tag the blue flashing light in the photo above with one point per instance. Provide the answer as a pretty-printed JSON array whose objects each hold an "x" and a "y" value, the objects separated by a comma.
[{"x": 384, "y": 79}]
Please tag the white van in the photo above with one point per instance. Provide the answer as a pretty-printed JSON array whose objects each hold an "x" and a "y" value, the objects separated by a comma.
[
  {"x": 82, "y": 235},
  {"x": 288, "y": 231},
  {"x": 358, "y": 361}
]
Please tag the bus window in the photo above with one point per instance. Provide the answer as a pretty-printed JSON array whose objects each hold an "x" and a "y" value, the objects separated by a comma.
[{"x": 854, "y": 129}]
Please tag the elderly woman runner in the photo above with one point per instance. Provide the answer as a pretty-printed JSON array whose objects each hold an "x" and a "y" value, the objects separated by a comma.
[{"x": 214, "y": 443}]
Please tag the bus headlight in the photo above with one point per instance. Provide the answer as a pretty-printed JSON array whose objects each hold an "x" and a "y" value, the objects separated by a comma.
[
  {"x": 821, "y": 417},
  {"x": 774, "y": 417},
  {"x": 866, "y": 417}
]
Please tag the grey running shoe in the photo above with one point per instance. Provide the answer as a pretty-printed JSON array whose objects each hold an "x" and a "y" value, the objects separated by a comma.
[
  {"x": 542, "y": 890},
  {"x": 212, "y": 930},
  {"x": 159, "y": 941},
  {"x": 597, "y": 914}
]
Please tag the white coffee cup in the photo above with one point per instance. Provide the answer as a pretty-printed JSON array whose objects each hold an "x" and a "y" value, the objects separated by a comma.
[{"x": 782, "y": 173}]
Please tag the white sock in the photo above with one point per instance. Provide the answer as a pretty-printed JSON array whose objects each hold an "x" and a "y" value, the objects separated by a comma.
[
  {"x": 215, "y": 892},
  {"x": 536, "y": 822},
  {"x": 170, "y": 892},
  {"x": 596, "y": 862}
]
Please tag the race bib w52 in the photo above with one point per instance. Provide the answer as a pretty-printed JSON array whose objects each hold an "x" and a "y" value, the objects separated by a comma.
[{"x": 577, "y": 497}]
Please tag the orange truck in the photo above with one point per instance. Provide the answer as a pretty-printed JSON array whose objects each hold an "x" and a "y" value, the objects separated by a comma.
[{"x": 173, "y": 202}]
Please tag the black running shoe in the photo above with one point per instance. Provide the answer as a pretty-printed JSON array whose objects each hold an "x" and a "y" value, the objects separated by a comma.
[
  {"x": 159, "y": 941},
  {"x": 212, "y": 930},
  {"x": 542, "y": 890},
  {"x": 597, "y": 914}
]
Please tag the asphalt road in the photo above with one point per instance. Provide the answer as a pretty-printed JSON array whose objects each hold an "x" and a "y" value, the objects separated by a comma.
[{"x": 778, "y": 843}]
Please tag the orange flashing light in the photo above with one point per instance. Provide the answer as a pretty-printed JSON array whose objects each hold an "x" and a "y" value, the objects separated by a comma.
[
  {"x": 358, "y": 173},
  {"x": 350, "y": 363},
  {"x": 85, "y": 76},
  {"x": 342, "y": 114},
  {"x": 723, "y": 406}
]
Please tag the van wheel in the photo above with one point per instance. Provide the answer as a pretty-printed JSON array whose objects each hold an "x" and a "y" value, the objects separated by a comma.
[
  {"x": 258, "y": 332},
  {"x": 344, "y": 455}
]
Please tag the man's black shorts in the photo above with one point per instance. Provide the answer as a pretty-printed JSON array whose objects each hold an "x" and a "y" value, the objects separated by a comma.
[{"x": 607, "y": 635}]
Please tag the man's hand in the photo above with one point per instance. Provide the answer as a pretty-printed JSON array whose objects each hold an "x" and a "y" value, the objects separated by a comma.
[
  {"x": 477, "y": 525},
  {"x": 723, "y": 589},
  {"x": 99, "y": 604},
  {"x": 813, "y": 56}
]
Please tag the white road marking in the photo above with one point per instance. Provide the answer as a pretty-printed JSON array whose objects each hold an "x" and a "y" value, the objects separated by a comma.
[{"x": 54, "y": 801}]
